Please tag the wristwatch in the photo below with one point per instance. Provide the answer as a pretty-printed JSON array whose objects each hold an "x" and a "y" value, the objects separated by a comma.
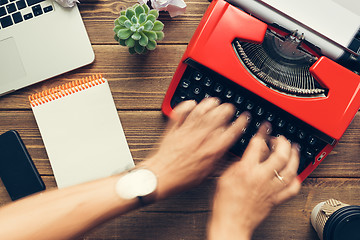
[{"x": 140, "y": 183}]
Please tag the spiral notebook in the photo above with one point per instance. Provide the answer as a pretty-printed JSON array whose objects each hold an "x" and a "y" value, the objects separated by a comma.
[{"x": 81, "y": 131}]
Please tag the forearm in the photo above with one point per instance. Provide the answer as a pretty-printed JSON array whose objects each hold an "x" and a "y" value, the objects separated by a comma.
[
  {"x": 223, "y": 233},
  {"x": 64, "y": 213},
  {"x": 223, "y": 226}
]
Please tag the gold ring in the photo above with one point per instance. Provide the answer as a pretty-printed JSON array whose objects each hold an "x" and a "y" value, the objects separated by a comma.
[{"x": 277, "y": 175}]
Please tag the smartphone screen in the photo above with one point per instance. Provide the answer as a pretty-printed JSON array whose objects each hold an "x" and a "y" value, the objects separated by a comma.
[{"x": 17, "y": 170}]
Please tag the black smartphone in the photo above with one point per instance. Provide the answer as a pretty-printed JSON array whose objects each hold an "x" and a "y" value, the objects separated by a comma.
[{"x": 17, "y": 170}]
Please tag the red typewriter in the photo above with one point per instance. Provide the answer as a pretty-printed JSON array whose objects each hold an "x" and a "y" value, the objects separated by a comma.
[{"x": 308, "y": 94}]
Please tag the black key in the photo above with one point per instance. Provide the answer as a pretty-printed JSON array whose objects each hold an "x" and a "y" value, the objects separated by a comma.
[
  {"x": 242, "y": 143},
  {"x": 309, "y": 153},
  {"x": 197, "y": 76},
  {"x": 280, "y": 123},
  {"x": 257, "y": 125},
  {"x": 208, "y": 82},
  {"x": 312, "y": 140},
  {"x": 270, "y": 117},
  {"x": 245, "y": 130},
  {"x": 228, "y": 94},
  {"x": 182, "y": 96},
  {"x": 276, "y": 134},
  {"x": 3, "y": 2},
  {"x": 239, "y": 99},
  {"x": 11, "y": 8},
  {"x": 238, "y": 113},
  {"x": 207, "y": 95},
  {"x": 2, "y": 11},
  {"x": 197, "y": 90},
  {"x": 21, "y": 4},
  {"x": 17, "y": 17},
  {"x": 259, "y": 111},
  {"x": 28, "y": 16},
  {"x": 301, "y": 134},
  {"x": 218, "y": 88},
  {"x": 32, "y": 2},
  {"x": 185, "y": 83},
  {"x": 48, "y": 9},
  {"x": 6, "y": 21},
  {"x": 249, "y": 105},
  {"x": 291, "y": 129},
  {"x": 37, "y": 10}
]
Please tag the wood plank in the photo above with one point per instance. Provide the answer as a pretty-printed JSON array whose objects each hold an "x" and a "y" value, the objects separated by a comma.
[
  {"x": 136, "y": 82},
  {"x": 185, "y": 216},
  {"x": 143, "y": 130},
  {"x": 99, "y": 17}
]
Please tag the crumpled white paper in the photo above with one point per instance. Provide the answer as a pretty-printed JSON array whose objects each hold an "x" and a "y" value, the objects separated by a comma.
[
  {"x": 174, "y": 7},
  {"x": 67, "y": 3}
]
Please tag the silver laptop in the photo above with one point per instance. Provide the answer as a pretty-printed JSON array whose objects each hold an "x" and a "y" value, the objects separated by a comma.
[{"x": 39, "y": 39}]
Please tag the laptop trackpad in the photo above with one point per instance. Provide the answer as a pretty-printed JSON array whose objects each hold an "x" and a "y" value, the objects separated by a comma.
[{"x": 11, "y": 66}]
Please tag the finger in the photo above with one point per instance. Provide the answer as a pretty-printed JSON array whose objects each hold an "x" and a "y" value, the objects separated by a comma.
[
  {"x": 219, "y": 116},
  {"x": 257, "y": 149},
  {"x": 280, "y": 155},
  {"x": 202, "y": 108},
  {"x": 180, "y": 113},
  {"x": 235, "y": 130},
  {"x": 264, "y": 131},
  {"x": 291, "y": 190},
  {"x": 290, "y": 171}
]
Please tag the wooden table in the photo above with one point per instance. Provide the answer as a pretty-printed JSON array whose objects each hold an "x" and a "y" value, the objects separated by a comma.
[{"x": 138, "y": 84}]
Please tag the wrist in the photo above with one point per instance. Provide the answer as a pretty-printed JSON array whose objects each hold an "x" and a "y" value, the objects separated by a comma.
[
  {"x": 138, "y": 184},
  {"x": 165, "y": 176},
  {"x": 229, "y": 219}
]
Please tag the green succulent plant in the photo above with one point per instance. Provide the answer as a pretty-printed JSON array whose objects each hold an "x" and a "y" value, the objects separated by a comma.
[{"x": 138, "y": 29}]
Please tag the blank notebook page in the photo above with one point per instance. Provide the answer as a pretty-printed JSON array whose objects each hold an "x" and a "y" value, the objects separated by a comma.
[{"x": 81, "y": 131}]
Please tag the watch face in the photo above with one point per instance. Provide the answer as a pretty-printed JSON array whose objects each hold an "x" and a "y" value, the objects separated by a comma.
[{"x": 137, "y": 183}]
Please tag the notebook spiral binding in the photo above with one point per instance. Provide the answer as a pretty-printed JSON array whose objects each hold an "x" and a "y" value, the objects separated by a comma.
[{"x": 54, "y": 93}]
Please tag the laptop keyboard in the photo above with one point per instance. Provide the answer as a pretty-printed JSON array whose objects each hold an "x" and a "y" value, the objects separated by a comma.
[
  {"x": 16, "y": 11},
  {"x": 200, "y": 82}
]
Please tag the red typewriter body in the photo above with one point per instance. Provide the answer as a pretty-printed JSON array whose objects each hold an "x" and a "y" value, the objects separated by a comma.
[{"x": 211, "y": 46}]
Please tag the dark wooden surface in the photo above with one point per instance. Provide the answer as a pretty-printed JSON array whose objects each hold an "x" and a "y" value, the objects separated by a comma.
[{"x": 138, "y": 85}]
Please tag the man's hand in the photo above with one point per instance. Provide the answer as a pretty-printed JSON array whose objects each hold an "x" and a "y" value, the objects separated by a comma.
[
  {"x": 196, "y": 138},
  {"x": 250, "y": 188}
]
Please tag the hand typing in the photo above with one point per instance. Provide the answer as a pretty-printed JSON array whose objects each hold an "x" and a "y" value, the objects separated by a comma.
[
  {"x": 248, "y": 190},
  {"x": 197, "y": 136}
]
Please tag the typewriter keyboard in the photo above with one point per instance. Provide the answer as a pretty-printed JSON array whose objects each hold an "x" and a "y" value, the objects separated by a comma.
[{"x": 197, "y": 84}]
